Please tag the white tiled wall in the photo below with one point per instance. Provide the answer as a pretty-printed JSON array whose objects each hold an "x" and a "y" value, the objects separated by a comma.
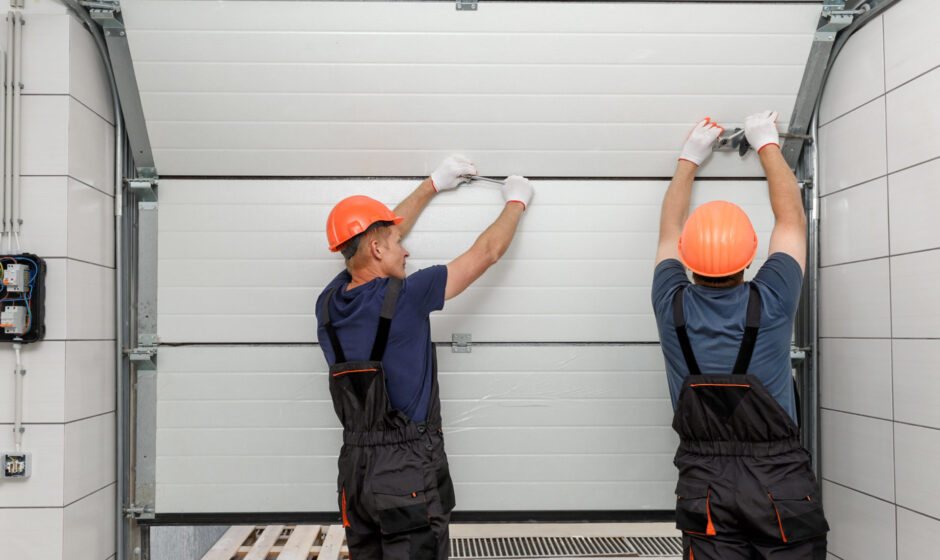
[
  {"x": 66, "y": 509},
  {"x": 879, "y": 308}
]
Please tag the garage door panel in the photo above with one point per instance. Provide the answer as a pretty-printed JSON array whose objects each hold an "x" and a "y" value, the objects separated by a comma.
[
  {"x": 237, "y": 424},
  {"x": 508, "y": 17},
  {"x": 179, "y": 108}
]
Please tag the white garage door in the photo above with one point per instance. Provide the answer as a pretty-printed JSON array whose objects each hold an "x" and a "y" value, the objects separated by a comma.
[{"x": 562, "y": 404}]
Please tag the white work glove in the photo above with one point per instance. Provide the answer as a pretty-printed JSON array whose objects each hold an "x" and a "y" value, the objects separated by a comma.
[
  {"x": 761, "y": 130},
  {"x": 449, "y": 174},
  {"x": 518, "y": 189},
  {"x": 698, "y": 145}
]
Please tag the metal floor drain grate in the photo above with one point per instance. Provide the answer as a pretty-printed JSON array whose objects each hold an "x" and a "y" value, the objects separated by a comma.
[
  {"x": 657, "y": 546},
  {"x": 565, "y": 547},
  {"x": 562, "y": 547}
]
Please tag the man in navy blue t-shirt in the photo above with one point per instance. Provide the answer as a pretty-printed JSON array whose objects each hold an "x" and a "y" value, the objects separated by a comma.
[
  {"x": 746, "y": 489},
  {"x": 395, "y": 491}
]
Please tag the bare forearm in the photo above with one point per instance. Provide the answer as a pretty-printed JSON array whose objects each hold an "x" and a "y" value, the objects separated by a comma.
[
  {"x": 495, "y": 240},
  {"x": 678, "y": 196},
  {"x": 411, "y": 207},
  {"x": 785, "y": 197}
]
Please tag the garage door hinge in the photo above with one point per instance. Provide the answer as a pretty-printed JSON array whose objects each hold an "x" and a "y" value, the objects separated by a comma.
[
  {"x": 469, "y": 5},
  {"x": 134, "y": 511},
  {"x": 143, "y": 188},
  {"x": 839, "y": 18},
  {"x": 460, "y": 343},
  {"x": 144, "y": 357}
]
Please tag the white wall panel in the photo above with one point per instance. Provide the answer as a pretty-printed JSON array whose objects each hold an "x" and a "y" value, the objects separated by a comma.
[
  {"x": 853, "y": 224},
  {"x": 573, "y": 427},
  {"x": 90, "y": 301},
  {"x": 45, "y": 142},
  {"x": 858, "y": 76},
  {"x": 91, "y": 148},
  {"x": 45, "y": 215},
  {"x": 520, "y": 97},
  {"x": 31, "y": 534},
  {"x": 45, "y": 70},
  {"x": 858, "y": 452},
  {"x": 43, "y": 388},
  {"x": 861, "y": 527},
  {"x": 913, "y": 196},
  {"x": 90, "y": 224},
  {"x": 916, "y": 535},
  {"x": 852, "y": 148},
  {"x": 225, "y": 243},
  {"x": 917, "y": 453},
  {"x": 842, "y": 287},
  {"x": 89, "y": 456},
  {"x": 911, "y": 125},
  {"x": 56, "y": 298},
  {"x": 915, "y": 304},
  {"x": 855, "y": 376},
  {"x": 88, "y": 79},
  {"x": 911, "y": 46},
  {"x": 44, "y": 488},
  {"x": 85, "y": 533},
  {"x": 89, "y": 378},
  {"x": 916, "y": 385}
]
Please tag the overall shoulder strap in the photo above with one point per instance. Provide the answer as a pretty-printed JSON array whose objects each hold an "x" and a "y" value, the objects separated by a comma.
[
  {"x": 751, "y": 326},
  {"x": 678, "y": 317},
  {"x": 385, "y": 319}
]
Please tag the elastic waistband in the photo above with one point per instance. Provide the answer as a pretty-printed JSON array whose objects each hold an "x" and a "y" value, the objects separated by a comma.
[
  {"x": 389, "y": 437},
  {"x": 745, "y": 448}
]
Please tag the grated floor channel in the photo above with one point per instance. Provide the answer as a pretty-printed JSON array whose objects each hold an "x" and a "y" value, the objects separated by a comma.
[{"x": 564, "y": 547}]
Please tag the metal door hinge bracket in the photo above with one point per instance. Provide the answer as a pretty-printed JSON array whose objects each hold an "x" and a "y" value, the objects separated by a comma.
[
  {"x": 460, "y": 343},
  {"x": 144, "y": 357},
  {"x": 134, "y": 511},
  {"x": 466, "y": 5},
  {"x": 143, "y": 188}
]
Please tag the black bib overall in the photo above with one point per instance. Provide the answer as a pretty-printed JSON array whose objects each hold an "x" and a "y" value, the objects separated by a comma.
[
  {"x": 746, "y": 488},
  {"x": 395, "y": 491}
]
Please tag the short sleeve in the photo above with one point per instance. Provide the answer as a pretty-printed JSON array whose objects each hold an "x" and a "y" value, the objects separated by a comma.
[
  {"x": 782, "y": 277},
  {"x": 426, "y": 288},
  {"x": 669, "y": 275}
]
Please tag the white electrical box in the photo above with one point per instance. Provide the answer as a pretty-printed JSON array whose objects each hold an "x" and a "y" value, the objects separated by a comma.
[
  {"x": 17, "y": 465},
  {"x": 16, "y": 277},
  {"x": 13, "y": 319}
]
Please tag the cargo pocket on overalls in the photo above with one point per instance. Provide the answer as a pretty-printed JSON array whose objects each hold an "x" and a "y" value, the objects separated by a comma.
[
  {"x": 400, "y": 501},
  {"x": 799, "y": 513},
  {"x": 445, "y": 488},
  {"x": 692, "y": 508}
]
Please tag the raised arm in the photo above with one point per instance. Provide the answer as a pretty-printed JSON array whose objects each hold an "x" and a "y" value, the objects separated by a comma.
[
  {"x": 697, "y": 148},
  {"x": 493, "y": 242},
  {"x": 789, "y": 233},
  {"x": 447, "y": 176}
]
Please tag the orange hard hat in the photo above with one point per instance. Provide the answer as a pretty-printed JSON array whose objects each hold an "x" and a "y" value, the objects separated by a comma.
[
  {"x": 717, "y": 240},
  {"x": 352, "y": 216}
]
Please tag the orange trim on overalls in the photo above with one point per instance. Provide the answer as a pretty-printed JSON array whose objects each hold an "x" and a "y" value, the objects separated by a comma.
[
  {"x": 345, "y": 519},
  {"x": 717, "y": 385},
  {"x": 779, "y": 522},
  {"x": 353, "y": 371},
  {"x": 709, "y": 529}
]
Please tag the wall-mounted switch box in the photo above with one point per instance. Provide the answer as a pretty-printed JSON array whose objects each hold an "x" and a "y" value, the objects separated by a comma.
[
  {"x": 22, "y": 298},
  {"x": 17, "y": 465},
  {"x": 16, "y": 277},
  {"x": 13, "y": 319}
]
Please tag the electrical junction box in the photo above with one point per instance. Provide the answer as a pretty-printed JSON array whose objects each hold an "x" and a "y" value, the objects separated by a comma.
[
  {"x": 16, "y": 278},
  {"x": 13, "y": 319},
  {"x": 22, "y": 298},
  {"x": 17, "y": 465}
]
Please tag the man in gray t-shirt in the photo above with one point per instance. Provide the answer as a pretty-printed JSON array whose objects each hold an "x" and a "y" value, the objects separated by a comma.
[{"x": 746, "y": 488}]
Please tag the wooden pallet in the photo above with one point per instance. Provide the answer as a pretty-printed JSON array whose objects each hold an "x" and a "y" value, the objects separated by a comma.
[{"x": 280, "y": 542}]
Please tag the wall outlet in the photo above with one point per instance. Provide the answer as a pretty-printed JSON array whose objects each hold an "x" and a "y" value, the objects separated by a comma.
[{"x": 17, "y": 465}]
